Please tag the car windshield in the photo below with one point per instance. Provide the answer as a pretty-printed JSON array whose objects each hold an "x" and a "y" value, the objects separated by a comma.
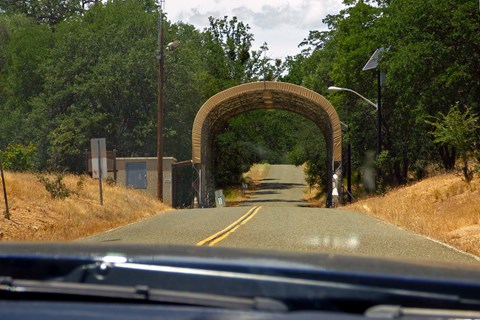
[{"x": 340, "y": 127}]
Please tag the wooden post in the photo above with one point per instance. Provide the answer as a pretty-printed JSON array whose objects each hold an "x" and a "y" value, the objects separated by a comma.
[{"x": 7, "y": 212}]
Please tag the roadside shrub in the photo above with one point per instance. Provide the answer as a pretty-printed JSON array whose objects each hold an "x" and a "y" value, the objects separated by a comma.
[
  {"x": 56, "y": 188},
  {"x": 458, "y": 129},
  {"x": 111, "y": 181},
  {"x": 80, "y": 183}
]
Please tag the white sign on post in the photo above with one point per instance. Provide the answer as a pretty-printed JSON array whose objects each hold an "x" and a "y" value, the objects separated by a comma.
[{"x": 99, "y": 150}]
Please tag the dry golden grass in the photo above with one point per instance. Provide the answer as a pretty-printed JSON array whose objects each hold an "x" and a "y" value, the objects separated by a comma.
[
  {"x": 314, "y": 197},
  {"x": 257, "y": 172},
  {"x": 36, "y": 216},
  {"x": 442, "y": 207}
]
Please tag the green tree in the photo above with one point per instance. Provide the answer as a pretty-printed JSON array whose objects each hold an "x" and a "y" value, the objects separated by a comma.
[
  {"x": 101, "y": 83},
  {"x": 187, "y": 84},
  {"x": 309, "y": 150},
  {"x": 432, "y": 62},
  {"x": 95, "y": 76},
  {"x": 228, "y": 55},
  {"x": 18, "y": 157},
  {"x": 50, "y": 12},
  {"x": 272, "y": 136},
  {"x": 230, "y": 42},
  {"x": 431, "y": 65},
  {"x": 459, "y": 130},
  {"x": 336, "y": 57},
  {"x": 21, "y": 80}
]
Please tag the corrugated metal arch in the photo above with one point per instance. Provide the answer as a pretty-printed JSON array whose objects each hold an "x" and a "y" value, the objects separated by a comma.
[
  {"x": 217, "y": 110},
  {"x": 263, "y": 95}
]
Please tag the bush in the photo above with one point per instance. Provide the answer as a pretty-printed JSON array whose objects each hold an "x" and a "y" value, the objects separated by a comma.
[
  {"x": 111, "y": 181},
  {"x": 18, "y": 157},
  {"x": 56, "y": 188}
]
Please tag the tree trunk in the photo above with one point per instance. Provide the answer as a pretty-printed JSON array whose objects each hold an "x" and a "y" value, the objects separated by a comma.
[
  {"x": 397, "y": 172},
  {"x": 467, "y": 173},
  {"x": 448, "y": 157},
  {"x": 404, "y": 171}
]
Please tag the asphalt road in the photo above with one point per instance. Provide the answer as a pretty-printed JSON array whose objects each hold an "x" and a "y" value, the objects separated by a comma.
[
  {"x": 283, "y": 187},
  {"x": 277, "y": 218}
]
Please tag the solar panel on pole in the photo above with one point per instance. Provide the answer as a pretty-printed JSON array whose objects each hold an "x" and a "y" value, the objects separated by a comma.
[
  {"x": 374, "y": 60},
  {"x": 373, "y": 64}
]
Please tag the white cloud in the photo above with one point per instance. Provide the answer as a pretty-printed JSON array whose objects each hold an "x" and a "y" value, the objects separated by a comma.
[
  {"x": 196, "y": 17},
  {"x": 283, "y": 24},
  {"x": 307, "y": 14}
]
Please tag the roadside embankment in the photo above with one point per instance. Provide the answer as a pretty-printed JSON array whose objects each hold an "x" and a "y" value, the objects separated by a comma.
[
  {"x": 442, "y": 207},
  {"x": 34, "y": 215}
]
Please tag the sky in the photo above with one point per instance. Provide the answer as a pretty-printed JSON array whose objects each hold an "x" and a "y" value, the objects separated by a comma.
[{"x": 282, "y": 24}]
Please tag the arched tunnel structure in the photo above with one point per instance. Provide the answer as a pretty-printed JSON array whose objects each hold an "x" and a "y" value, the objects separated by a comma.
[{"x": 217, "y": 110}]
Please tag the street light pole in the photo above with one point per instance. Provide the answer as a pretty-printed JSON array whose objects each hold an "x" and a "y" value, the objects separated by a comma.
[
  {"x": 379, "y": 121},
  {"x": 346, "y": 128},
  {"x": 379, "y": 117},
  {"x": 160, "y": 81}
]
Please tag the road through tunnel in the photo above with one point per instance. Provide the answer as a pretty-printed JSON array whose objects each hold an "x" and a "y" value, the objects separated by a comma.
[{"x": 216, "y": 111}]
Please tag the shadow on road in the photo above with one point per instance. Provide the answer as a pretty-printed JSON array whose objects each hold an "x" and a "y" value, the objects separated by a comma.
[
  {"x": 274, "y": 200},
  {"x": 283, "y": 187},
  {"x": 278, "y": 186},
  {"x": 266, "y": 192},
  {"x": 273, "y": 192}
]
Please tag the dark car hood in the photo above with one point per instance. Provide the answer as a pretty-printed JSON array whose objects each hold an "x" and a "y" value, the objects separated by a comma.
[{"x": 208, "y": 257}]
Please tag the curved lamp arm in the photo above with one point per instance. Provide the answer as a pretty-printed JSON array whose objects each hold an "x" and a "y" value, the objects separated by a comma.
[{"x": 358, "y": 94}]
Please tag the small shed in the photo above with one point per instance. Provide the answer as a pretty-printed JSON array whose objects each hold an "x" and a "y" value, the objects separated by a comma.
[{"x": 141, "y": 174}]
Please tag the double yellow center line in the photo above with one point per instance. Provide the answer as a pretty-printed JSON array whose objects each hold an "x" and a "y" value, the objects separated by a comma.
[{"x": 219, "y": 236}]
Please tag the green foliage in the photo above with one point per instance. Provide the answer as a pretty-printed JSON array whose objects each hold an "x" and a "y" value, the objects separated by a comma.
[
  {"x": 95, "y": 76},
  {"x": 458, "y": 130},
  {"x": 21, "y": 80},
  {"x": 50, "y": 12},
  {"x": 430, "y": 66},
  {"x": 232, "y": 157},
  {"x": 310, "y": 151},
  {"x": 18, "y": 157},
  {"x": 256, "y": 137},
  {"x": 234, "y": 39},
  {"x": 88, "y": 93},
  {"x": 186, "y": 84},
  {"x": 431, "y": 62},
  {"x": 55, "y": 186}
]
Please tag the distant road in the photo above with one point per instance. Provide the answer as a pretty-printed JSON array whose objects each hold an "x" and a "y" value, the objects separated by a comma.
[
  {"x": 283, "y": 187},
  {"x": 277, "y": 218}
]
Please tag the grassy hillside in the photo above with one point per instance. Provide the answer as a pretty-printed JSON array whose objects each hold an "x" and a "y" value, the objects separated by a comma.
[
  {"x": 36, "y": 216},
  {"x": 442, "y": 207}
]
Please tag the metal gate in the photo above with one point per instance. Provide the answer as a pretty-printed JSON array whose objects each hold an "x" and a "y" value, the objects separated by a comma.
[{"x": 184, "y": 179}]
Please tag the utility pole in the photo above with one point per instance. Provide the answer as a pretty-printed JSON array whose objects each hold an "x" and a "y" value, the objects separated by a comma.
[{"x": 160, "y": 106}]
